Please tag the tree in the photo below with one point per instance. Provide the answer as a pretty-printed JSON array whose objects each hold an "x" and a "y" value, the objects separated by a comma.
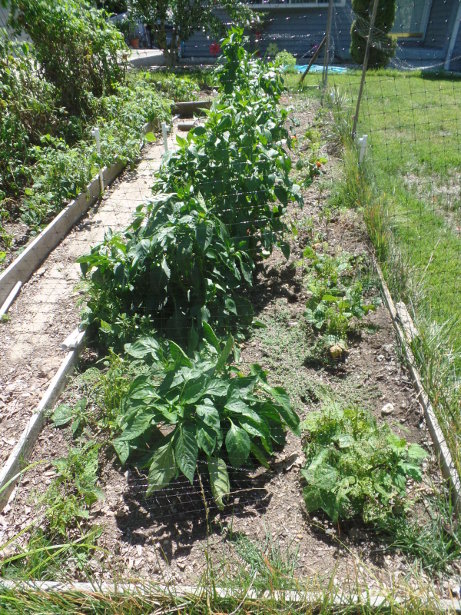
[
  {"x": 174, "y": 21},
  {"x": 77, "y": 50},
  {"x": 382, "y": 47}
]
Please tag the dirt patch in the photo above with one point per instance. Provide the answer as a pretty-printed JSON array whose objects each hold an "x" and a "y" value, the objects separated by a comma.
[
  {"x": 165, "y": 537},
  {"x": 441, "y": 194}
]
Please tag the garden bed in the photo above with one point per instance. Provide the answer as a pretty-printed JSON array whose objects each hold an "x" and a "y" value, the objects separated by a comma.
[{"x": 178, "y": 534}]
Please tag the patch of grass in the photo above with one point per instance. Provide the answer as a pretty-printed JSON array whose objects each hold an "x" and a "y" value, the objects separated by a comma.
[{"x": 265, "y": 566}]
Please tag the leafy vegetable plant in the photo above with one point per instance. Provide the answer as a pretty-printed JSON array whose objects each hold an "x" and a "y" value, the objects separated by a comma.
[
  {"x": 355, "y": 467},
  {"x": 337, "y": 298},
  {"x": 189, "y": 255},
  {"x": 195, "y": 407},
  {"x": 177, "y": 264}
]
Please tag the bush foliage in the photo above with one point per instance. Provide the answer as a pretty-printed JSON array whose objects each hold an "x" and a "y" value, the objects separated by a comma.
[
  {"x": 77, "y": 49},
  {"x": 382, "y": 47}
]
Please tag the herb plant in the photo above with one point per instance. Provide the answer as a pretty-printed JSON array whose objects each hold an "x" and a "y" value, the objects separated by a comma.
[{"x": 356, "y": 468}]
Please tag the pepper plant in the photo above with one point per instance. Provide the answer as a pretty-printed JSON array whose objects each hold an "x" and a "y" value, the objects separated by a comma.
[{"x": 196, "y": 407}]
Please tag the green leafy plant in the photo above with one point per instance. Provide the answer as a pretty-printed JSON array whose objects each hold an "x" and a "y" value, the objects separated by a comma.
[
  {"x": 68, "y": 499},
  {"x": 176, "y": 264},
  {"x": 336, "y": 301},
  {"x": 355, "y": 467},
  {"x": 65, "y": 31},
  {"x": 286, "y": 61},
  {"x": 310, "y": 161},
  {"x": 188, "y": 408},
  {"x": 237, "y": 161}
]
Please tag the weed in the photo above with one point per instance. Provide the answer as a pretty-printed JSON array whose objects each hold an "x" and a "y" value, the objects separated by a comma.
[
  {"x": 68, "y": 499},
  {"x": 267, "y": 566}
]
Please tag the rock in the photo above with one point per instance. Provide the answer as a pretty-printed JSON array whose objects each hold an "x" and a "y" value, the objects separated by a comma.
[
  {"x": 338, "y": 351},
  {"x": 387, "y": 409}
]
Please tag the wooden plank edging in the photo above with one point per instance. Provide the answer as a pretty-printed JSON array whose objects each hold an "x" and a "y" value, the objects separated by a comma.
[{"x": 406, "y": 330}]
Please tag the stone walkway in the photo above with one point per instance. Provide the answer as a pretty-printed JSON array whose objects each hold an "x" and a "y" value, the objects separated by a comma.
[{"x": 48, "y": 306}]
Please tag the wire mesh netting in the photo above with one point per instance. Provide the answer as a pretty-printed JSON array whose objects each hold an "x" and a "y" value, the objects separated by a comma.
[{"x": 400, "y": 164}]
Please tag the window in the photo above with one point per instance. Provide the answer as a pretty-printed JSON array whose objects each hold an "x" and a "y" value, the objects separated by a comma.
[{"x": 411, "y": 18}]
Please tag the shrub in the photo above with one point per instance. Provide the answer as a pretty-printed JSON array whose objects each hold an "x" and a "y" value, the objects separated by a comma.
[
  {"x": 286, "y": 61},
  {"x": 79, "y": 52},
  {"x": 27, "y": 110},
  {"x": 382, "y": 46}
]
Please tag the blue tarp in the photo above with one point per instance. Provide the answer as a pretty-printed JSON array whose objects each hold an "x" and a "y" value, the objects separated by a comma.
[{"x": 317, "y": 68}]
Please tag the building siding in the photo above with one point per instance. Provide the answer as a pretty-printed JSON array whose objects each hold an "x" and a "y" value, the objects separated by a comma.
[
  {"x": 294, "y": 30},
  {"x": 440, "y": 23},
  {"x": 455, "y": 61},
  {"x": 298, "y": 29}
]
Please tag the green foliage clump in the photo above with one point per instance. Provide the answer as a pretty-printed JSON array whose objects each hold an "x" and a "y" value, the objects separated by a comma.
[
  {"x": 189, "y": 255},
  {"x": 27, "y": 110},
  {"x": 68, "y": 499},
  {"x": 355, "y": 467},
  {"x": 382, "y": 46},
  {"x": 77, "y": 49},
  {"x": 286, "y": 61},
  {"x": 62, "y": 171},
  {"x": 176, "y": 87},
  {"x": 178, "y": 264},
  {"x": 197, "y": 406},
  {"x": 337, "y": 301}
]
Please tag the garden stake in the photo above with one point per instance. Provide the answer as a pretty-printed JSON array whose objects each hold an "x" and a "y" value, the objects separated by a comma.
[
  {"x": 363, "y": 147},
  {"x": 95, "y": 134},
  {"x": 165, "y": 137},
  {"x": 364, "y": 68}
]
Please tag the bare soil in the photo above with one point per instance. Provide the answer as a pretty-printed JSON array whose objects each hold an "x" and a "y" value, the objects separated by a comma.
[{"x": 165, "y": 537}]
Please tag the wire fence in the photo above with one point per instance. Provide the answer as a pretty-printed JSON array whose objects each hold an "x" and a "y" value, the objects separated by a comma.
[{"x": 409, "y": 113}]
